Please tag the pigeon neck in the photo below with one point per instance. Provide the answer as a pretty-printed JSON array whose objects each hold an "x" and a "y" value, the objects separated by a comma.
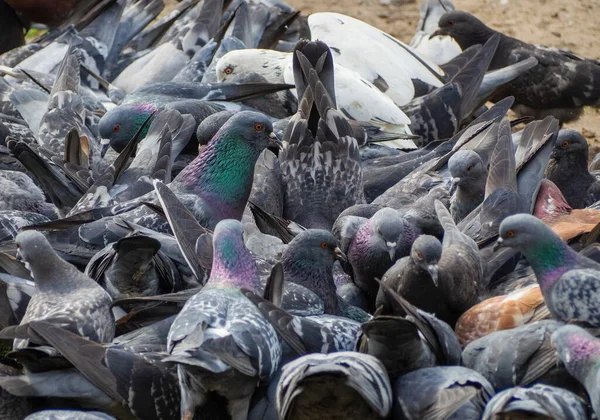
[
  {"x": 318, "y": 278},
  {"x": 584, "y": 350},
  {"x": 233, "y": 266},
  {"x": 549, "y": 258},
  {"x": 222, "y": 175},
  {"x": 49, "y": 280}
]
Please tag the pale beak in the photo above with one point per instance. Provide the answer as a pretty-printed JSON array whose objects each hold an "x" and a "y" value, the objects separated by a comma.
[
  {"x": 433, "y": 270},
  {"x": 105, "y": 144},
  {"x": 274, "y": 142},
  {"x": 454, "y": 185},
  {"x": 339, "y": 255},
  {"x": 391, "y": 246},
  {"x": 499, "y": 244}
]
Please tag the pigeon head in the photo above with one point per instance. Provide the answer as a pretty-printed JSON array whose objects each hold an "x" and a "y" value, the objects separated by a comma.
[
  {"x": 33, "y": 248},
  {"x": 545, "y": 251},
  {"x": 465, "y": 28},
  {"x": 308, "y": 261},
  {"x": 466, "y": 168},
  {"x": 210, "y": 125},
  {"x": 576, "y": 348},
  {"x": 570, "y": 144},
  {"x": 426, "y": 251},
  {"x": 388, "y": 227},
  {"x": 222, "y": 174},
  {"x": 233, "y": 265},
  {"x": 120, "y": 124},
  {"x": 266, "y": 63}
]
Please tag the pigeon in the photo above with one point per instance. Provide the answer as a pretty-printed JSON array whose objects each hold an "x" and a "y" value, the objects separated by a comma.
[
  {"x": 568, "y": 280},
  {"x": 373, "y": 245},
  {"x": 356, "y": 97},
  {"x": 330, "y": 386},
  {"x": 579, "y": 351},
  {"x": 568, "y": 170},
  {"x": 308, "y": 261},
  {"x": 538, "y": 400},
  {"x": 63, "y": 295},
  {"x": 19, "y": 192},
  {"x": 410, "y": 275},
  {"x": 11, "y": 406},
  {"x": 445, "y": 392},
  {"x": 69, "y": 415},
  {"x": 220, "y": 341},
  {"x": 210, "y": 125},
  {"x": 469, "y": 175},
  {"x": 518, "y": 357},
  {"x": 523, "y": 306},
  {"x": 319, "y": 159},
  {"x": 560, "y": 85}
]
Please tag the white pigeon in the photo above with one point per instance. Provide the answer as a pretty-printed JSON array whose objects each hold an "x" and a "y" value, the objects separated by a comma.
[
  {"x": 439, "y": 49},
  {"x": 356, "y": 97},
  {"x": 389, "y": 64}
]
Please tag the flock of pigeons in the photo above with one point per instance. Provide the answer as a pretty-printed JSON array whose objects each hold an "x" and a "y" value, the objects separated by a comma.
[{"x": 234, "y": 211}]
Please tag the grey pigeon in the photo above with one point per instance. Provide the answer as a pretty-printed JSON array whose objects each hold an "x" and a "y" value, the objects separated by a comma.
[
  {"x": 539, "y": 400},
  {"x": 11, "y": 406},
  {"x": 415, "y": 277},
  {"x": 442, "y": 392},
  {"x": 560, "y": 85},
  {"x": 69, "y": 415},
  {"x": 568, "y": 169},
  {"x": 64, "y": 296},
  {"x": 210, "y": 125},
  {"x": 570, "y": 282},
  {"x": 319, "y": 160},
  {"x": 333, "y": 386},
  {"x": 469, "y": 175},
  {"x": 220, "y": 341},
  {"x": 518, "y": 357},
  {"x": 19, "y": 192},
  {"x": 579, "y": 351}
]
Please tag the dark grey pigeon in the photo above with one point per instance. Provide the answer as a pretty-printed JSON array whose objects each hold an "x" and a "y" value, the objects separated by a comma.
[
  {"x": 519, "y": 357},
  {"x": 560, "y": 85},
  {"x": 570, "y": 282},
  {"x": 443, "y": 392},
  {"x": 320, "y": 160},
  {"x": 415, "y": 278},
  {"x": 568, "y": 169},
  {"x": 538, "y": 401},
  {"x": 469, "y": 175},
  {"x": 333, "y": 386},
  {"x": 64, "y": 296},
  {"x": 580, "y": 352}
]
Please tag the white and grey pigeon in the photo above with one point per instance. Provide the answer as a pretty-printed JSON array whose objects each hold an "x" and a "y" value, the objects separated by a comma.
[{"x": 63, "y": 295}]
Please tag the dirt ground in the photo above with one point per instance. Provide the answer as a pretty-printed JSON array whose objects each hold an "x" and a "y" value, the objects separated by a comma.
[{"x": 569, "y": 25}]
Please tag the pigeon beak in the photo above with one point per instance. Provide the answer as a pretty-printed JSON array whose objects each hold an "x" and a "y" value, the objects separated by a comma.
[
  {"x": 274, "y": 141},
  {"x": 433, "y": 269},
  {"x": 438, "y": 32},
  {"x": 339, "y": 255},
  {"x": 391, "y": 246},
  {"x": 18, "y": 256},
  {"x": 105, "y": 144},
  {"x": 499, "y": 244},
  {"x": 454, "y": 185}
]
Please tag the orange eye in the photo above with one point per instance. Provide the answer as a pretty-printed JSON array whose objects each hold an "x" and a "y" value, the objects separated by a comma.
[
  {"x": 228, "y": 70},
  {"x": 259, "y": 127},
  {"x": 116, "y": 128},
  {"x": 510, "y": 233},
  {"x": 565, "y": 144},
  {"x": 324, "y": 245}
]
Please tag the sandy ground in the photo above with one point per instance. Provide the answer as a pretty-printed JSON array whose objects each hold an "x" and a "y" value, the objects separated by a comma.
[{"x": 568, "y": 25}]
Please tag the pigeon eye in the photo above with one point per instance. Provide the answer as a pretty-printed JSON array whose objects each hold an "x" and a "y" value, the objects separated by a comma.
[
  {"x": 228, "y": 70},
  {"x": 419, "y": 255},
  {"x": 259, "y": 127},
  {"x": 324, "y": 245},
  {"x": 450, "y": 22},
  {"x": 469, "y": 168},
  {"x": 510, "y": 233},
  {"x": 116, "y": 128},
  {"x": 565, "y": 144}
]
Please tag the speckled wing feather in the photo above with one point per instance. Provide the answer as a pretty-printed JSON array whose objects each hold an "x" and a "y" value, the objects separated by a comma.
[
  {"x": 576, "y": 296},
  {"x": 320, "y": 160}
]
